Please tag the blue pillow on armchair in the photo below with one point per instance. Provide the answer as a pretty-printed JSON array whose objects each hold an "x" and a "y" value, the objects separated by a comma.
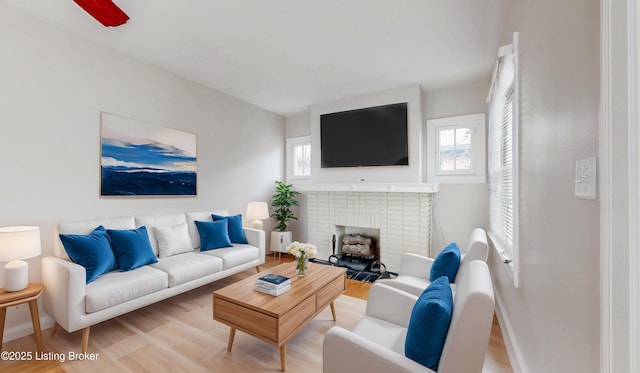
[
  {"x": 92, "y": 251},
  {"x": 446, "y": 263},
  {"x": 236, "y": 232},
  {"x": 429, "y": 324}
]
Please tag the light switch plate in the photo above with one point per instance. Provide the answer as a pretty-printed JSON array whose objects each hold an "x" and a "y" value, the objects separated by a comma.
[{"x": 585, "y": 179}]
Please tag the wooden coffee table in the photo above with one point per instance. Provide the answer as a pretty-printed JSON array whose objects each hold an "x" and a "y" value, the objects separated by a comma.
[{"x": 276, "y": 319}]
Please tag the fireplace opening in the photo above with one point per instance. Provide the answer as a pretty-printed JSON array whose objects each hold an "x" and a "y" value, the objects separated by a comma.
[
  {"x": 355, "y": 251},
  {"x": 355, "y": 248}
]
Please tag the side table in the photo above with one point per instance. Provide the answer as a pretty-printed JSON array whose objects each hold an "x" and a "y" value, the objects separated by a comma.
[{"x": 30, "y": 294}]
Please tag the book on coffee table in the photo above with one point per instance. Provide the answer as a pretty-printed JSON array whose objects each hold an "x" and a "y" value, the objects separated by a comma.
[
  {"x": 273, "y": 284},
  {"x": 274, "y": 279},
  {"x": 272, "y": 291}
]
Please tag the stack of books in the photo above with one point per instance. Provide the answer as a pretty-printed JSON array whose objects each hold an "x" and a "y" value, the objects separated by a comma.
[{"x": 273, "y": 284}]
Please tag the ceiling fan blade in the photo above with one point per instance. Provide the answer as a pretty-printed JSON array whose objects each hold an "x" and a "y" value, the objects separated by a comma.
[{"x": 104, "y": 11}]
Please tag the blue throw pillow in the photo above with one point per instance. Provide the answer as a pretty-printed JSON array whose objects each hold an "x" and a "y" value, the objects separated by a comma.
[
  {"x": 213, "y": 235},
  {"x": 236, "y": 232},
  {"x": 132, "y": 247},
  {"x": 429, "y": 324},
  {"x": 92, "y": 251},
  {"x": 446, "y": 263}
]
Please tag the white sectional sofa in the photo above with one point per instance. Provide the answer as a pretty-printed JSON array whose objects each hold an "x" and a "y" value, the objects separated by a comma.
[{"x": 76, "y": 305}]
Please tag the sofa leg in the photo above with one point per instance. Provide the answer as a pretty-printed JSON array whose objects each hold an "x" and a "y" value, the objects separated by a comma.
[
  {"x": 56, "y": 327},
  {"x": 85, "y": 339},
  {"x": 258, "y": 269}
]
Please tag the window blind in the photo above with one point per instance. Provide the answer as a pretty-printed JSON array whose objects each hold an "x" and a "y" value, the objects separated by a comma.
[{"x": 501, "y": 176}]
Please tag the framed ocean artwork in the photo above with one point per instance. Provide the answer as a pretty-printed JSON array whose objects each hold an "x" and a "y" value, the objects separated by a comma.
[{"x": 139, "y": 159}]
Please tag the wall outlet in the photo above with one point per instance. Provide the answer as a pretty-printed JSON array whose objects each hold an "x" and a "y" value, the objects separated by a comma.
[{"x": 585, "y": 187}]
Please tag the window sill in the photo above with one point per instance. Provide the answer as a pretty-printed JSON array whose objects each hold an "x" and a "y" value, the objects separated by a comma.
[
  {"x": 457, "y": 179},
  {"x": 509, "y": 265},
  {"x": 373, "y": 187}
]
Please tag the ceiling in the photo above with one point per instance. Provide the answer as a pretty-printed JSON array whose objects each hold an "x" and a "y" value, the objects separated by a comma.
[{"x": 284, "y": 55}]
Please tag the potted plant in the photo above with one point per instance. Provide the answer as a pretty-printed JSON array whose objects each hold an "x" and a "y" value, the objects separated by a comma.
[{"x": 282, "y": 202}]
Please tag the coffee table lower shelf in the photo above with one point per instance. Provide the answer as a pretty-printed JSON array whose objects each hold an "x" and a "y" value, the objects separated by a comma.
[{"x": 275, "y": 320}]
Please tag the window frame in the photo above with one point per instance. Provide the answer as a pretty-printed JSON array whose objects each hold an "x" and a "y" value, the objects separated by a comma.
[
  {"x": 477, "y": 173},
  {"x": 504, "y": 90},
  {"x": 291, "y": 143}
]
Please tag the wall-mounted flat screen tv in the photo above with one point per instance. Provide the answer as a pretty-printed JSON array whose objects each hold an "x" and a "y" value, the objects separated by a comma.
[{"x": 373, "y": 136}]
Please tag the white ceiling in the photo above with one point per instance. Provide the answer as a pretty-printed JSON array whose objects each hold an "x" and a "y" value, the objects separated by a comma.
[{"x": 284, "y": 55}]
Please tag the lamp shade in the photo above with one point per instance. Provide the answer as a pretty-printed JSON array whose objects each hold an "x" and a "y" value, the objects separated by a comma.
[
  {"x": 19, "y": 243},
  {"x": 257, "y": 211}
]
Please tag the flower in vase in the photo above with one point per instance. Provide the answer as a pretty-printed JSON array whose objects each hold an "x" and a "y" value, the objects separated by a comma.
[{"x": 299, "y": 249}]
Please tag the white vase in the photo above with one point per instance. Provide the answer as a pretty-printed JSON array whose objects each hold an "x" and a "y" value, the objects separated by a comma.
[{"x": 280, "y": 241}]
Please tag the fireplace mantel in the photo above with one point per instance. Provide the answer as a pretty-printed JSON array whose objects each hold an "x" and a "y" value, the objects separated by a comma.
[{"x": 371, "y": 187}]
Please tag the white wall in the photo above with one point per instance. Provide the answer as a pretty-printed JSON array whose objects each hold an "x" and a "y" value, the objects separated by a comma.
[
  {"x": 552, "y": 318},
  {"x": 55, "y": 84},
  {"x": 458, "y": 208},
  {"x": 297, "y": 126}
]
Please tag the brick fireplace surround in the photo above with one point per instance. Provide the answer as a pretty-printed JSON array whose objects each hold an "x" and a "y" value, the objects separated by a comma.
[{"x": 402, "y": 218}]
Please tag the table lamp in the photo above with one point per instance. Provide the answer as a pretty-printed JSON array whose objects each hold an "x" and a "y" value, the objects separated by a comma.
[
  {"x": 18, "y": 243},
  {"x": 257, "y": 211}
]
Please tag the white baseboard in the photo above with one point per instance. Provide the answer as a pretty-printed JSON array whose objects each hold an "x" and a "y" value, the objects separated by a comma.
[
  {"x": 513, "y": 349},
  {"x": 18, "y": 331}
]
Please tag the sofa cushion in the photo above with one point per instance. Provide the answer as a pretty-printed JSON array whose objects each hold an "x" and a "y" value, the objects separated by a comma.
[
  {"x": 132, "y": 248},
  {"x": 234, "y": 256},
  {"x": 92, "y": 251},
  {"x": 446, "y": 263},
  {"x": 172, "y": 240},
  {"x": 185, "y": 267},
  {"x": 114, "y": 288},
  {"x": 429, "y": 324},
  {"x": 236, "y": 232},
  {"x": 153, "y": 221},
  {"x": 213, "y": 235}
]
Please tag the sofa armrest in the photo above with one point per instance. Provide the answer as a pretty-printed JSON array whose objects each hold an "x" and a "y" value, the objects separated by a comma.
[
  {"x": 415, "y": 265},
  {"x": 390, "y": 304},
  {"x": 256, "y": 237},
  {"x": 345, "y": 351},
  {"x": 64, "y": 291}
]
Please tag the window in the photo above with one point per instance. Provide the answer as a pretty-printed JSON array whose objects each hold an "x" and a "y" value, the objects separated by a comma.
[
  {"x": 299, "y": 158},
  {"x": 456, "y": 149},
  {"x": 503, "y": 158}
]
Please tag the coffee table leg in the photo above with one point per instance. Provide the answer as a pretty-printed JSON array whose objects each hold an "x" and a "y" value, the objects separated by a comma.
[
  {"x": 333, "y": 311},
  {"x": 283, "y": 357},
  {"x": 232, "y": 335}
]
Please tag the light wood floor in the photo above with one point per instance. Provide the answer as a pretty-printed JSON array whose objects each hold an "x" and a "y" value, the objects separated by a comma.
[{"x": 179, "y": 335}]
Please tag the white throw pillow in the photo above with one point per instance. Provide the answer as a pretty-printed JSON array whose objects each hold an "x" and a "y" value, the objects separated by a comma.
[{"x": 173, "y": 239}]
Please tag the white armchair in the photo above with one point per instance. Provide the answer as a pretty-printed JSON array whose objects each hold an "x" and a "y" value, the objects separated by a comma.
[
  {"x": 413, "y": 276},
  {"x": 377, "y": 342}
]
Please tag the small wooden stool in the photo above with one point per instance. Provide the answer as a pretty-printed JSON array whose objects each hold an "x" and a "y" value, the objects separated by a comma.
[{"x": 30, "y": 294}]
